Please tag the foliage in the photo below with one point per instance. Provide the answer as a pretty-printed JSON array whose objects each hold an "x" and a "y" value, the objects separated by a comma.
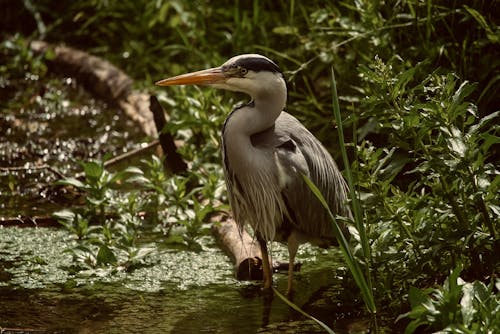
[
  {"x": 443, "y": 208},
  {"x": 18, "y": 61},
  {"x": 456, "y": 307},
  {"x": 107, "y": 225},
  {"x": 174, "y": 204},
  {"x": 18, "y": 65}
]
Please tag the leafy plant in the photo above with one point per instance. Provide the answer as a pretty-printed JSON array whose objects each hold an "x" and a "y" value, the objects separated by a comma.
[
  {"x": 429, "y": 194},
  {"x": 173, "y": 204},
  {"x": 111, "y": 239},
  {"x": 97, "y": 185},
  {"x": 456, "y": 307}
]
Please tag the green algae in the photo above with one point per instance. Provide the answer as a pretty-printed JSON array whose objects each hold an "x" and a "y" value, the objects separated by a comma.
[
  {"x": 37, "y": 259},
  {"x": 175, "y": 291}
]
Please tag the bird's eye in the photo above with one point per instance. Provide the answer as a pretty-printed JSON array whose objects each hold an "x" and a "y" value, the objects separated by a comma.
[{"x": 243, "y": 70}]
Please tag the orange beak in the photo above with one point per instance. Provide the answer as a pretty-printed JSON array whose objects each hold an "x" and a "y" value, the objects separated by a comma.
[{"x": 204, "y": 77}]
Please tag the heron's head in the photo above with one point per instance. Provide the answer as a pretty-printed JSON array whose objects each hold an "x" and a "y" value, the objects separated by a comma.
[{"x": 252, "y": 74}]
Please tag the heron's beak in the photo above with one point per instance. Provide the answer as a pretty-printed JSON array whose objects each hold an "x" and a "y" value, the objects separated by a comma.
[{"x": 204, "y": 77}]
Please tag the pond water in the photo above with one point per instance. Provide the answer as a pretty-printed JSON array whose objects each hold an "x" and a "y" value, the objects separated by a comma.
[
  {"x": 55, "y": 123},
  {"x": 176, "y": 291}
]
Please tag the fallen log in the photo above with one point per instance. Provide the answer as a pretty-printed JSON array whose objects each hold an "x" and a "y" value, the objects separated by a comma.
[{"x": 243, "y": 250}]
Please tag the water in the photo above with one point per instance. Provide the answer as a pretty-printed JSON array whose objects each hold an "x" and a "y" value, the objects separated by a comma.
[
  {"x": 56, "y": 123},
  {"x": 175, "y": 292}
]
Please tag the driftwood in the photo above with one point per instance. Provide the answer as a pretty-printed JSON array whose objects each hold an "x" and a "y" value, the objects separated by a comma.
[
  {"x": 97, "y": 75},
  {"x": 173, "y": 162},
  {"x": 243, "y": 250},
  {"x": 104, "y": 80}
]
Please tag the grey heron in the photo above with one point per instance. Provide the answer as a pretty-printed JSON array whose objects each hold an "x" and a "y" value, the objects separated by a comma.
[{"x": 265, "y": 151}]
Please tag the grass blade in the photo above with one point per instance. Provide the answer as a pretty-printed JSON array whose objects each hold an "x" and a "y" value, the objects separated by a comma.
[
  {"x": 298, "y": 309},
  {"x": 364, "y": 284},
  {"x": 351, "y": 261},
  {"x": 350, "y": 181}
]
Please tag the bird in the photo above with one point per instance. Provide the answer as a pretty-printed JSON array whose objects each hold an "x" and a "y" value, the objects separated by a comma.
[{"x": 266, "y": 152}]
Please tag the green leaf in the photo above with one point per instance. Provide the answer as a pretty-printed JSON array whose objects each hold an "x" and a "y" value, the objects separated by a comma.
[
  {"x": 483, "y": 121},
  {"x": 413, "y": 325},
  {"x": 452, "y": 283},
  {"x": 92, "y": 169},
  {"x": 96, "y": 201},
  {"x": 481, "y": 292},
  {"x": 106, "y": 256},
  {"x": 492, "y": 36},
  {"x": 467, "y": 304},
  {"x": 64, "y": 215},
  {"x": 402, "y": 81},
  {"x": 462, "y": 92},
  {"x": 488, "y": 141},
  {"x": 71, "y": 181},
  {"x": 417, "y": 297},
  {"x": 140, "y": 179},
  {"x": 134, "y": 170}
]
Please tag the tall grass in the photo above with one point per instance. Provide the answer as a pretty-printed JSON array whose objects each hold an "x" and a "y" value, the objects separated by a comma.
[{"x": 362, "y": 279}]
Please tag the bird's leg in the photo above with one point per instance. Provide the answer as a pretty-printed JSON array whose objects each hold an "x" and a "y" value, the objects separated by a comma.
[
  {"x": 266, "y": 266},
  {"x": 293, "y": 246}
]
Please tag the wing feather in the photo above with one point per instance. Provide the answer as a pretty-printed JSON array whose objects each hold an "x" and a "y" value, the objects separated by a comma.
[{"x": 309, "y": 157}]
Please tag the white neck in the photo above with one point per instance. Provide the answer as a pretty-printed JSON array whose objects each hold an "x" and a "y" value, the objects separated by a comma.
[
  {"x": 268, "y": 93},
  {"x": 267, "y": 103}
]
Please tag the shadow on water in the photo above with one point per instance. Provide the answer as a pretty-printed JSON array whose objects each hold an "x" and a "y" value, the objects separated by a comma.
[{"x": 113, "y": 309}]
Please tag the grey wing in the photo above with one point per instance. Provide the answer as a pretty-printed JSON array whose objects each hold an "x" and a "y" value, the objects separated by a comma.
[{"x": 303, "y": 153}]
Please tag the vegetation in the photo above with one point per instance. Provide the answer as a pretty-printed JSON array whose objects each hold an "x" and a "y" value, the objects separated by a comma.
[{"x": 418, "y": 88}]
